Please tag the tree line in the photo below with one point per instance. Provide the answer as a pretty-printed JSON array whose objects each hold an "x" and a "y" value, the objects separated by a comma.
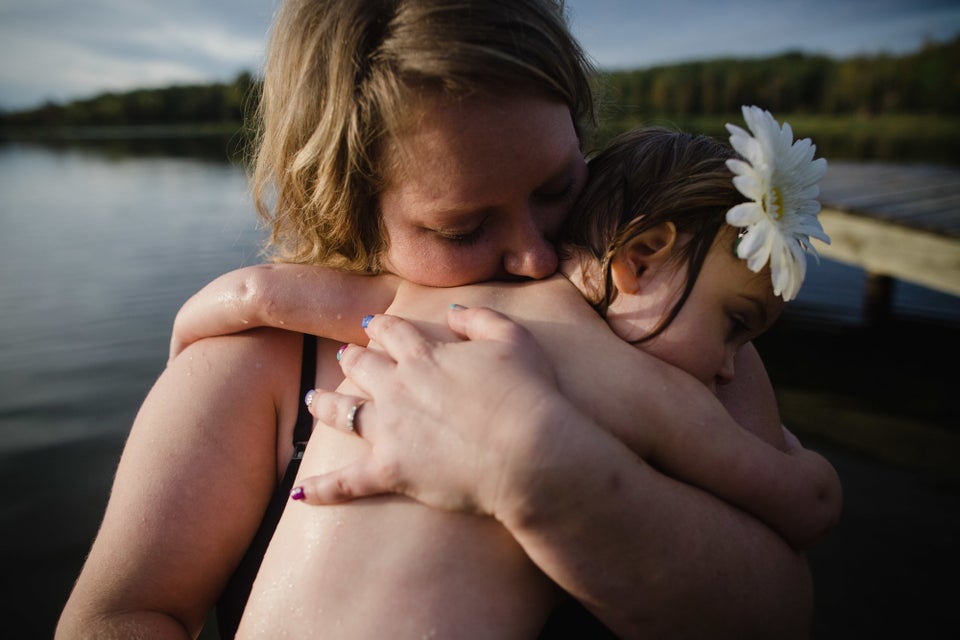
[
  {"x": 923, "y": 82},
  {"x": 217, "y": 103}
]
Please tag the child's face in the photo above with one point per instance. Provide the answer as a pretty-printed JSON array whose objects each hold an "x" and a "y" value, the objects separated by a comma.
[
  {"x": 729, "y": 306},
  {"x": 483, "y": 188}
]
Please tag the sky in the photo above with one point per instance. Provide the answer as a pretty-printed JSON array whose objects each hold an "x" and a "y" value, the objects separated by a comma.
[{"x": 59, "y": 50}]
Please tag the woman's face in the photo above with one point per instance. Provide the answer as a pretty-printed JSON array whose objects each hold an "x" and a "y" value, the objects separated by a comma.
[{"x": 481, "y": 189}]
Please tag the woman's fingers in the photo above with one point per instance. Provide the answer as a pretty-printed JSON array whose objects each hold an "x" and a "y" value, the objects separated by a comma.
[
  {"x": 481, "y": 323},
  {"x": 399, "y": 337},
  {"x": 366, "y": 368},
  {"x": 349, "y": 483},
  {"x": 341, "y": 411}
]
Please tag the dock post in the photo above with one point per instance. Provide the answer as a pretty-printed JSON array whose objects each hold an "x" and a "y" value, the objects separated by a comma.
[{"x": 878, "y": 299}]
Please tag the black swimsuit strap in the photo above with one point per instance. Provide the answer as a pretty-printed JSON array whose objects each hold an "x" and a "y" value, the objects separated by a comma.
[
  {"x": 233, "y": 600},
  {"x": 308, "y": 373}
]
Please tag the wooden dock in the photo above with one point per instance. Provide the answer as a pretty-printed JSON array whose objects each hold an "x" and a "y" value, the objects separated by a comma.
[{"x": 896, "y": 222}]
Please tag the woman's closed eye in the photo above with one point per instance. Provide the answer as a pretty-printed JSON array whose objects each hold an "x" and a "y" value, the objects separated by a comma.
[{"x": 461, "y": 237}]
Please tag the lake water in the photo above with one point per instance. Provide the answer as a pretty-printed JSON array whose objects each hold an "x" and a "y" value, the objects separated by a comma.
[
  {"x": 98, "y": 249},
  {"x": 96, "y": 254}
]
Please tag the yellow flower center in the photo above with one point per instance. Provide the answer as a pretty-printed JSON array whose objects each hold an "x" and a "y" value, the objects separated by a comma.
[{"x": 773, "y": 203}]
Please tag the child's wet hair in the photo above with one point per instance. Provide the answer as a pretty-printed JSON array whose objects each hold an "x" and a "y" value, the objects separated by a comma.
[{"x": 645, "y": 177}]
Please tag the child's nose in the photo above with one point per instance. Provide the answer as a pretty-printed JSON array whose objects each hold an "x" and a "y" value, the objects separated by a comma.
[{"x": 725, "y": 374}]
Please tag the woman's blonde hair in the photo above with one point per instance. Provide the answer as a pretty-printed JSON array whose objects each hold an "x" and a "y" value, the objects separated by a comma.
[{"x": 341, "y": 76}]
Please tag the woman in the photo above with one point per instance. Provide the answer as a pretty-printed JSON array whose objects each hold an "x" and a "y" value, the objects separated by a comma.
[{"x": 215, "y": 433}]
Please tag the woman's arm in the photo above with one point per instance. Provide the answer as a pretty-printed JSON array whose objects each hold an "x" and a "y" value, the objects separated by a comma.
[
  {"x": 672, "y": 422},
  {"x": 493, "y": 435},
  {"x": 191, "y": 488},
  {"x": 303, "y": 298},
  {"x": 794, "y": 491},
  {"x": 670, "y": 419}
]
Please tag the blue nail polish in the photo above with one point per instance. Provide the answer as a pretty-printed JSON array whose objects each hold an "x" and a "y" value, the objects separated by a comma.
[
  {"x": 308, "y": 399},
  {"x": 340, "y": 351},
  {"x": 366, "y": 321},
  {"x": 457, "y": 307}
]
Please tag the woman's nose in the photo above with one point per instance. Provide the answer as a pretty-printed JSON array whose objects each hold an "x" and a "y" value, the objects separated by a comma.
[{"x": 531, "y": 255}]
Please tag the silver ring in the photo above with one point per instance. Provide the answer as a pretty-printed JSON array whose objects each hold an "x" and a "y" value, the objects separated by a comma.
[{"x": 352, "y": 414}]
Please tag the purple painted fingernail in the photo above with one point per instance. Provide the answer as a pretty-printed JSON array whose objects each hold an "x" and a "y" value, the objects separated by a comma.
[
  {"x": 308, "y": 399},
  {"x": 297, "y": 493},
  {"x": 340, "y": 351},
  {"x": 366, "y": 321}
]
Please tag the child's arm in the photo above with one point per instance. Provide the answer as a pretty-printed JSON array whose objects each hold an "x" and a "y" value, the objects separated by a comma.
[{"x": 305, "y": 298}]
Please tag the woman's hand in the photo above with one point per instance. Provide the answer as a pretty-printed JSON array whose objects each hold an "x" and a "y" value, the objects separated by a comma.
[{"x": 450, "y": 424}]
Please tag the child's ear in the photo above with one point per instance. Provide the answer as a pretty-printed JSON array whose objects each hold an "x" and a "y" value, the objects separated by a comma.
[{"x": 632, "y": 266}]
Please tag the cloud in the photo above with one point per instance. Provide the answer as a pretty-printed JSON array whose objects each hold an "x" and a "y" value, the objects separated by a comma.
[
  {"x": 623, "y": 33},
  {"x": 63, "y": 49}
]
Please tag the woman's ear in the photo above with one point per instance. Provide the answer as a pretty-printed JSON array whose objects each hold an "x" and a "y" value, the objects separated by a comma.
[{"x": 634, "y": 264}]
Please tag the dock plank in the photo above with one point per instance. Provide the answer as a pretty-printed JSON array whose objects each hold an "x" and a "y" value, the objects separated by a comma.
[
  {"x": 919, "y": 196},
  {"x": 895, "y": 250},
  {"x": 896, "y": 221}
]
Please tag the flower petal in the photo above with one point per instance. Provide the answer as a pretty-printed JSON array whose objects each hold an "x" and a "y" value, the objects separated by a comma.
[{"x": 771, "y": 162}]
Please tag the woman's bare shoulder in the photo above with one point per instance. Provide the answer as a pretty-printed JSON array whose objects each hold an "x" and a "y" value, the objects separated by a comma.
[
  {"x": 263, "y": 360},
  {"x": 262, "y": 348}
]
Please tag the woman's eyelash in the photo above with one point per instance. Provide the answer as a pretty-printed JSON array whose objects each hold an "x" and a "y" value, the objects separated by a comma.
[{"x": 467, "y": 238}]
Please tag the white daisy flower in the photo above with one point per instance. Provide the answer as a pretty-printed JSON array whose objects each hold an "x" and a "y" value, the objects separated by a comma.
[{"x": 780, "y": 177}]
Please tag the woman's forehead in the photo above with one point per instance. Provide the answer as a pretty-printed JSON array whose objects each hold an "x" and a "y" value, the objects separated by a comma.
[{"x": 462, "y": 151}]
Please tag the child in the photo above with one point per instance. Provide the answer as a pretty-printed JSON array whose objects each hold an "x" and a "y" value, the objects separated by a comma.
[{"x": 650, "y": 248}]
